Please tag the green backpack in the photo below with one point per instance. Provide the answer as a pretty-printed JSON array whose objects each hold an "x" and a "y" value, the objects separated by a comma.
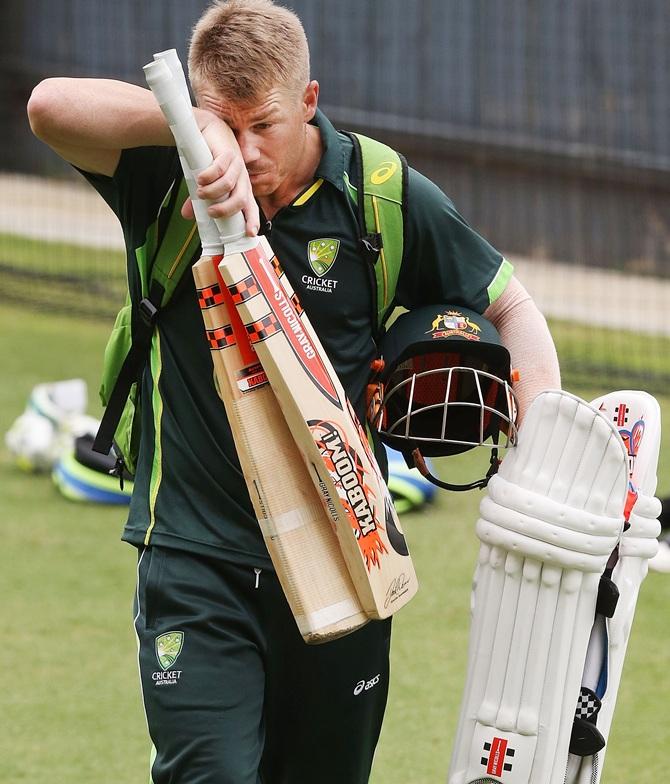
[{"x": 171, "y": 248}]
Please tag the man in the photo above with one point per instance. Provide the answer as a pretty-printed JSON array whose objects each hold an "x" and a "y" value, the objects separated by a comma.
[{"x": 248, "y": 701}]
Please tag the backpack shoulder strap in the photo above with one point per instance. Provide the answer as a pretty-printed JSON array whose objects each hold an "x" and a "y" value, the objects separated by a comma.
[
  {"x": 381, "y": 216},
  {"x": 176, "y": 242}
]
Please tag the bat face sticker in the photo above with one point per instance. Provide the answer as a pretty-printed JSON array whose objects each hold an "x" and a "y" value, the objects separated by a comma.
[
  {"x": 347, "y": 470},
  {"x": 287, "y": 316}
]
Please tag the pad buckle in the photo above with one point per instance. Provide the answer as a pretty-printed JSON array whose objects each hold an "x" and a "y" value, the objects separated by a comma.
[
  {"x": 148, "y": 311},
  {"x": 585, "y": 738},
  {"x": 608, "y": 596}
]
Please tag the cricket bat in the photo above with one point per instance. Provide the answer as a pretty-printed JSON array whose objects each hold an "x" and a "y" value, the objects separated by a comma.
[
  {"x": 324, "y": 426},
  {"x": 298, "y": 534}
]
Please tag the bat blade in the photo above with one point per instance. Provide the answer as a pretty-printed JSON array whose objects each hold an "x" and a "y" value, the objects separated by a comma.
[
  {"x": 298, "y": 534},
  {"x": 324, "y": 428}
]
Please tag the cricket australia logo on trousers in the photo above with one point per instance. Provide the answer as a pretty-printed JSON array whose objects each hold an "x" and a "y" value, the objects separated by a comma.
[
  {"x": 321, "y": 254},
  {"x": 168, "y": 646}
]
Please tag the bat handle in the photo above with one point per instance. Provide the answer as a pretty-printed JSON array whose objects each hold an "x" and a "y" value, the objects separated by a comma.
[
  {"x": 171, "y": 59},
  {"x": 166, "y": 80},
  {"x": 210, "y": 235}
]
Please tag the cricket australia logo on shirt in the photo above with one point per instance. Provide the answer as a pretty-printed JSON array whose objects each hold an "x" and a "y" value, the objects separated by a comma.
[
  {"x": 168, "y": 646},
  {"x": 321, "y": 255}
]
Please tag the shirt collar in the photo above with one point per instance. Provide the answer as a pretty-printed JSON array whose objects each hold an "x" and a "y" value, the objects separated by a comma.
[{"x": 332, "y": 164}]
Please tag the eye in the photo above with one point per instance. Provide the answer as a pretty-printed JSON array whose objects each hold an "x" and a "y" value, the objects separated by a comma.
[{"x": 262, "y": 126}]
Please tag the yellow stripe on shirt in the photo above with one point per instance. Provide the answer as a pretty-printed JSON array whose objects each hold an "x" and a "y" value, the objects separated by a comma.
[{"x": 307, "y": 195}]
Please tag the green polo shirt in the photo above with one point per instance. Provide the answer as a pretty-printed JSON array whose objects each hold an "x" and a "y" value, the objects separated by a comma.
[{"x": 189, "y": 490}]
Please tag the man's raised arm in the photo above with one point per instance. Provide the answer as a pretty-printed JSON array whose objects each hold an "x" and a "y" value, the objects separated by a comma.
[{"x": 88, "y": 122}]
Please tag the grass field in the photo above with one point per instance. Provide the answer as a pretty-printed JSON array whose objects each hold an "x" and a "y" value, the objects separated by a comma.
[
  {"x": 628, "y": 359},
  {"x": 72, "y": 278},
  {"x": 71, "y": 712}
]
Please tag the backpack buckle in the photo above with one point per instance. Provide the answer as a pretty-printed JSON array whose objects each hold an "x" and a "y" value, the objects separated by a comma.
[
  {"x": 148, "y": 312},
  {"x": 372, "y": 243}
]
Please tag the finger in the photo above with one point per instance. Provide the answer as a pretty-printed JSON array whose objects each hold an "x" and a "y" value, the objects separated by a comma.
[
  {"x": 240, "y": 199},
  {"x": 220, "y": 189},
  {"x": 228, "y": 204},
  {"x": 224, "y": 166},
  {"x": 249, "y": 207},
  {"x": 187, "y": 210},
  {"x": 211, "y": 174},
  {"x": 252, "y": 226},
  {"x": 252, "y": 217}
]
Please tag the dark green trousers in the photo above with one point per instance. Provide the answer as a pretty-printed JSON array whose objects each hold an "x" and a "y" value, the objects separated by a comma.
[{"x": 232, "y": 693}]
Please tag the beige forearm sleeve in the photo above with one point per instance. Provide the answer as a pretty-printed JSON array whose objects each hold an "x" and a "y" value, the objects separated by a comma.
[{"x": 524, "y": 332}]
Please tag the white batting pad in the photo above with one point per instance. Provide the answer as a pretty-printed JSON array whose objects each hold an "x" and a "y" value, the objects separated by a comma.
[
  {"x": 550, "y": 520},
  {"x": 637, "y": 417}
]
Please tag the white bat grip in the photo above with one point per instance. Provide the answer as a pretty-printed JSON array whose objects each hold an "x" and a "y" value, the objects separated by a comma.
[
  {"x": 210, "y": 234},
  {"x": 190, "y": 142},
  {"x": 171, "y": 59}
]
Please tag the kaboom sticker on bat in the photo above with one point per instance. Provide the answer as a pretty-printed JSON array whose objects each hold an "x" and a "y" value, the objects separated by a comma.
[{"x": 348, "y": 473}]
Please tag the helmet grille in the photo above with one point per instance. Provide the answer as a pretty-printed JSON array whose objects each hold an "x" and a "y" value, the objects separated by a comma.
[{"x": 447, "y": 401}]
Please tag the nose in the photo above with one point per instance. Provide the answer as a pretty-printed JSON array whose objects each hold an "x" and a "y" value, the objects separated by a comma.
[{"x": 249, "y": 147}]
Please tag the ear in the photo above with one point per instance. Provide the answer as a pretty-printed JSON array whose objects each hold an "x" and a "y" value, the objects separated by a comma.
[{"x": 310, "y": 100}]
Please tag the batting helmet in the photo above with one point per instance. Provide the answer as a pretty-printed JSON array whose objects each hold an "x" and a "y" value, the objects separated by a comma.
[{"x": 445, "y": 388}]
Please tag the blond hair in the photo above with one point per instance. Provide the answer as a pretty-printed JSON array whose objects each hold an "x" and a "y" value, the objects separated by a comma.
[{"x": 245, "y": 48}]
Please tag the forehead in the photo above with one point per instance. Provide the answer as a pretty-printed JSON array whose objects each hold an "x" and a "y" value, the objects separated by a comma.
[{"x": 277, "y": 101}]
